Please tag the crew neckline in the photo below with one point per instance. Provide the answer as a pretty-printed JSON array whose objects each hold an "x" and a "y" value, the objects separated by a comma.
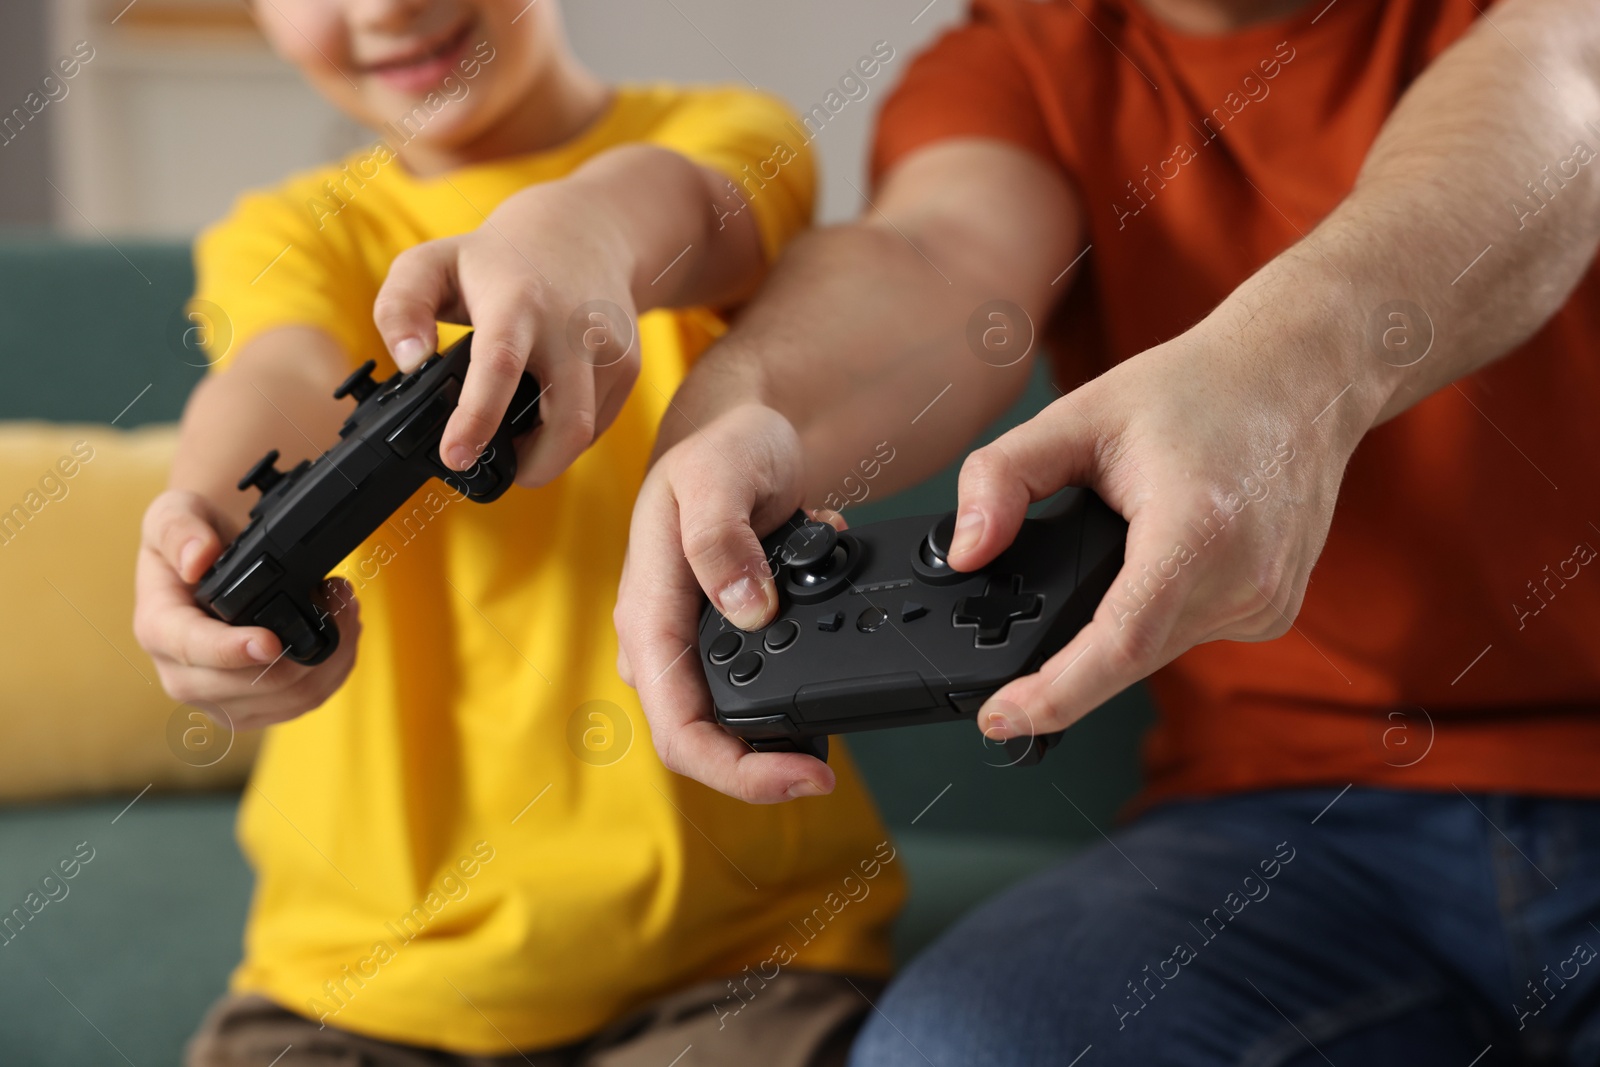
[
  {"x": 1308, "y": 28},
  {"x": 596, "y": 132}
]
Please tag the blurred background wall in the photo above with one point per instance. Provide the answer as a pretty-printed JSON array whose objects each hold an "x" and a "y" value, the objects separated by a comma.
[
  {"x": 182, "y": 106},
  {"x": 25, "y": 163}
]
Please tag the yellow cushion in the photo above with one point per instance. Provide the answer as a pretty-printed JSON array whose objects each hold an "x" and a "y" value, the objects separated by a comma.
[{"x": 81, "y": 708}]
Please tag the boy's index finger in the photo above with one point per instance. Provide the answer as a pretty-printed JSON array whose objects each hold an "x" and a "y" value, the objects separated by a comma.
[
  {"x": 501, "y": 342},
  {"x": 420, "y": 290},
  {"x": 182, "y": 535}
]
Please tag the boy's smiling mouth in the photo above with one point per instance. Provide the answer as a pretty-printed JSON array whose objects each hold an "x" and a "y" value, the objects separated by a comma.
[{"x": 420, "y": 69}]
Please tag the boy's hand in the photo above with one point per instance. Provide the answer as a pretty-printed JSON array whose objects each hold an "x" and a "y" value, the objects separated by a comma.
[
  {"x": 546, "y": 281},
  {"x": 240, "y": 669}
]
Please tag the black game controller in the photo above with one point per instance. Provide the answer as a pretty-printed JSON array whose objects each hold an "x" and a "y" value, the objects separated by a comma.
[
  {"x": 874, "y": 629},
  {"x": 311, "y": 517}
]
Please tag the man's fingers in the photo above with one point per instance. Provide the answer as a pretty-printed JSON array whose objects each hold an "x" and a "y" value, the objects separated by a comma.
[
  {"x": 566, "y": 419},
  {"x": 720, "y": 511},
  {"x": 728, "y": 765},
  {"x": 1096, "y": 665},
  {"x": 658, "y": 622},
  {"x": 1054, "y": 449},
  {"x": 724, "y": 553},
  {"x": 1131, "y": 635},
  {"x": 658, "y": 618},
  {"x": 419, "y": 290},
  {"x": 833, "y": 518},
  {"x": 502, "y": 339}
]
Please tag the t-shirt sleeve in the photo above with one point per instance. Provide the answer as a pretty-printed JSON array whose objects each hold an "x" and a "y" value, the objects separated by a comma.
[
  {"x": 267, "y": 265},
  {"x": 752, "y": 139},
  {"x": 969, "y": 83}
]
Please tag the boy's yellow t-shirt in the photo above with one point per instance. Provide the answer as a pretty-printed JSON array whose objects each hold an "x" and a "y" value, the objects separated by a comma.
[{"x": 473, "y": 845}]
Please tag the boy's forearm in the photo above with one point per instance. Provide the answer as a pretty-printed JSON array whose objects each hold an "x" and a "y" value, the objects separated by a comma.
[
  {"x": 684, "y": 238},
  {"x": 1475, "y": 214},
  {"x": 276, "y": 395}
]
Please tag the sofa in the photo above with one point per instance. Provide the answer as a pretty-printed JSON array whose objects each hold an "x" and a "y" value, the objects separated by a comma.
[{"x": 120, "y": 959}]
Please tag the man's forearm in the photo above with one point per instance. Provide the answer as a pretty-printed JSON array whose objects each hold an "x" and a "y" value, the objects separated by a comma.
[
  {"x": 862, "y": 334},
  {"x": 855, "y": 346},
  {"x": 1474, "y": 215}
]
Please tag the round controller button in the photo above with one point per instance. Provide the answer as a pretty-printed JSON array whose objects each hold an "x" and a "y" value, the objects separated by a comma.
[
  {"x": 809, "y": 545},
  {"x": 871, "y": 619},
  {"x": 725, "y": 648},
  {"x": 745, "y": 668},
  {"x": 782, "y": 635},
  {"x": 936, "y": 546},
  {"x": 821, "y": 571}
]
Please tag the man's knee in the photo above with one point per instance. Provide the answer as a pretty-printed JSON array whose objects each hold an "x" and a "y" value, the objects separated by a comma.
[{"x": 938, "y": 1010}]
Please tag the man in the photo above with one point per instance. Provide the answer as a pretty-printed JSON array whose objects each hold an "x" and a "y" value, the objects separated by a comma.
[{"x": 1325, "y": 268}]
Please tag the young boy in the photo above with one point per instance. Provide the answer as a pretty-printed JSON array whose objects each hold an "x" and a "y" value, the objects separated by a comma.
[{"x": 470, "y": 851}]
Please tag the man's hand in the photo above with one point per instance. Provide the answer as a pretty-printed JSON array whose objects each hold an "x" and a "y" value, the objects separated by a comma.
[
  {"x": 862, "y": 335},
  {"x": 1227, "y": 478},
  {"x": 553, "y": 282},
  {"x": 235, "y": 668},
  {"x": 695, "y": 526},
  {"x": 1224, "y": 448}
]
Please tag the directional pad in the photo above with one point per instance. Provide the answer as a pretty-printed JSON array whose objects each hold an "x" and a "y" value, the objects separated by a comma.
[{"x": 1003, "y": 602}]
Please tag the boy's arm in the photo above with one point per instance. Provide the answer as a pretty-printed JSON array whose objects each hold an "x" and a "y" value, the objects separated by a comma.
[
  {"x": 553, "y": 283},
  {"x": 276, "y": 393}
]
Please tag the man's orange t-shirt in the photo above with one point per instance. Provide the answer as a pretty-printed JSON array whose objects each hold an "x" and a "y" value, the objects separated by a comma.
[{"x": 1450, "y": 636}]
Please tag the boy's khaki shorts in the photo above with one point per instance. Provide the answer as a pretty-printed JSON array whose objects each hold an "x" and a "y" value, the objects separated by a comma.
[{"x": 800, "y": 1019}]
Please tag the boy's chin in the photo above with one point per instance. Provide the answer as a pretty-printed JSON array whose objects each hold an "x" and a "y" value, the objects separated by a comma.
[{"x": 430, "y": 121}]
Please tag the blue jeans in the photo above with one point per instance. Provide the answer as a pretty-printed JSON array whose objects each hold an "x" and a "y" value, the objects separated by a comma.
[{"x": 1400, "y": 928}]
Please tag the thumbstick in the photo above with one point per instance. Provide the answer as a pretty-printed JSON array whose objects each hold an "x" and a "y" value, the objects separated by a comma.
[
  {"x": 936, "y": 546},
  {"x": 809, "y": 545},
  {"x": 360, "y": 384},
  {"x": 264, "y": 475}
]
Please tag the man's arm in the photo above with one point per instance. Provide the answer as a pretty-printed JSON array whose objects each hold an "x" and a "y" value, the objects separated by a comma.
[
  {"x": 859, "y": 337},
  {"x": 862, "y": 326},
  {"x": 637, "y": 227},
  {"x": 1478, "y": 203},
  {"x": 1288, "y": 360},
  {"x": 1163, "y": 435}
]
